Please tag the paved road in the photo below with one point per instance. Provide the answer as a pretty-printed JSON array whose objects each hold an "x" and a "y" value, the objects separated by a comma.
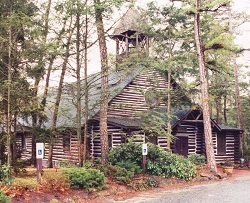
[{"x": 235, "y": 190}]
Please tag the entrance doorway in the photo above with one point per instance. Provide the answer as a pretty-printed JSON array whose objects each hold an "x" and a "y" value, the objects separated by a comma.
[{"x": 181, "y": 146}]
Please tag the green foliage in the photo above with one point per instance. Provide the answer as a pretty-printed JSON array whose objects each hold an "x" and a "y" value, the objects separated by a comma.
[
  {"x": 88, "y": 164},
  {"x": 171, "y": 165},
  {"x": 130, "y": 166},
  {"x": 197, "y": 159},
  {"x": 155, "y": 123},
  {"x": 85, "y": 178},
  {"x": 5, "y": 174},
  {"x": 120, "y": 172},
  {"x": 125, "y": 152},
  {"x": 159, "y": 162},
  {"x": 4, "y": 198},
  {"x": 123, "y": 175},
  {"x": 247, "y": 152}
]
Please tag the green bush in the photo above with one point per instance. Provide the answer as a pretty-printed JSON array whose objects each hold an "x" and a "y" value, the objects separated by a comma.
[
  {"x": 5, "y": 174},
  {"x": 247, "y": 152},
  {"x": 123, "y": 175},
  {"x": 159, "y": 162},
  {"x": 130, "y": 166},
  {"x": 85, "y": 178},
  {"x": 119, "y": 173},
  {"x": 126, "y": 152},
  {"x": 197, "y": 159},
  {"x": 172, "y": 165},
  {"x": 4, "y": 198}
]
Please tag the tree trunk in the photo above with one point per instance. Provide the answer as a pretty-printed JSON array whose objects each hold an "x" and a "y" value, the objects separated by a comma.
[
  {"x": 58, "y": 97},
  {"x": 14, "y": 144},
  {"x": 104, "y": 81},
  {"x": 51, "y": 62},
  {"x": 225, "y": 108},
  {"x": 204, "y": 92},
  {"x": 36, "y": 86},
  {"x": 86, "y": 94},
  {"x": 8, "y": 116},
  {"x": 169, "y": 111},
  {"x": 240, "y": 121},
  {"x": 78, "y": 91}
]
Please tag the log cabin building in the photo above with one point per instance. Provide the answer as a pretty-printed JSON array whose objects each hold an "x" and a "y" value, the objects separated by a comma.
[{"x": 134, "y": 92}]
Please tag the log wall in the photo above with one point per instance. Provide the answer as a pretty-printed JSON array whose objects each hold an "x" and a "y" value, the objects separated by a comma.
[{"x": 131, "y": 100}]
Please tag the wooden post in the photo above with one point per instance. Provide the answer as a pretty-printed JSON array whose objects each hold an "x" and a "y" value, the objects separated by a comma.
[
  {"x": 144, "y": 154},
  {"x": 127, "y": 45},
  {"x": 39, "y": 160},
  {"x": 147, "y": 46},
  {"x": 39, "y": 167},
  {"x": 144, "y": 160},
  {"x": 117, "y": 53}
]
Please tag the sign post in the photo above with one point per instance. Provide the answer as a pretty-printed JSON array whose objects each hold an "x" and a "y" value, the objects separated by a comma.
[
  {"x": 144, "y": 154},
  {"x": 39, "y": 160}
]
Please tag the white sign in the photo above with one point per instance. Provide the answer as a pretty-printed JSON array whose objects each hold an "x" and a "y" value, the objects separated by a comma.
[
  {"x": 144, "y": 149},
  {"x": 39, "y": 150}
]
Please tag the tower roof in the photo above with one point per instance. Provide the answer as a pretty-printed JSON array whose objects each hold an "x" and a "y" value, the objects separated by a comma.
[{"x": 128, "y": 23}]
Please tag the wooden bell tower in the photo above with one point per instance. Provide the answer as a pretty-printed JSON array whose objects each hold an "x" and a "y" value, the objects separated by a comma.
[{"x": 127, "y": 36}]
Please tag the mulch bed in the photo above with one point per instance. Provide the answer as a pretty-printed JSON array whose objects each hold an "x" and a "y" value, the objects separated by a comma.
[{"x": 117, "y": 191}]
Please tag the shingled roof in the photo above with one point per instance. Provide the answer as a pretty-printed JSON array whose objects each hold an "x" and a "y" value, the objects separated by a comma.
[
  {"x": 67, "y": 111},
  {"x": 128, "y": 23},
  {"x": 228, "y": 128}
]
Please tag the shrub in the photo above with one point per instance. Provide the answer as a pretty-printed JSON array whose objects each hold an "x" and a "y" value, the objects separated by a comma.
[
  {"x": 123, "y": 175},
  {"x": 130, "y": 166},
  {"x": 5, "y": 174},
  {"x": 197, "y": 159},
  {"x": 85, "y": 178},
  {"x": 4, "y": 198},
  {"x": 126, "y": 152},
  {"x": 119, "y": 173},
  {"x": 159, "y": 162},
  {"x": 247, "y": 152},
  {"x": 55, "y": 181}
]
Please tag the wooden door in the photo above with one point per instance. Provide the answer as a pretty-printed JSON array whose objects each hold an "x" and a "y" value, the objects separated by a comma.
[{"x": 181, "y": 146}]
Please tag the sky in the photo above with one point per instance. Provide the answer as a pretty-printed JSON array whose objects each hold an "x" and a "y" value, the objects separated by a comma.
[
  {"x": 243, "y": 32},
  {"x": 242, "y": 39}
]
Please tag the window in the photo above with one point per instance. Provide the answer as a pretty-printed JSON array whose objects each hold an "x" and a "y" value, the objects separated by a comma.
[{"x": 221, "y": 144}]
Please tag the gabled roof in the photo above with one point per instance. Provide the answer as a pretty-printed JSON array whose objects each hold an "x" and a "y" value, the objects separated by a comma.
[{"x": 185, "y": 114}]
